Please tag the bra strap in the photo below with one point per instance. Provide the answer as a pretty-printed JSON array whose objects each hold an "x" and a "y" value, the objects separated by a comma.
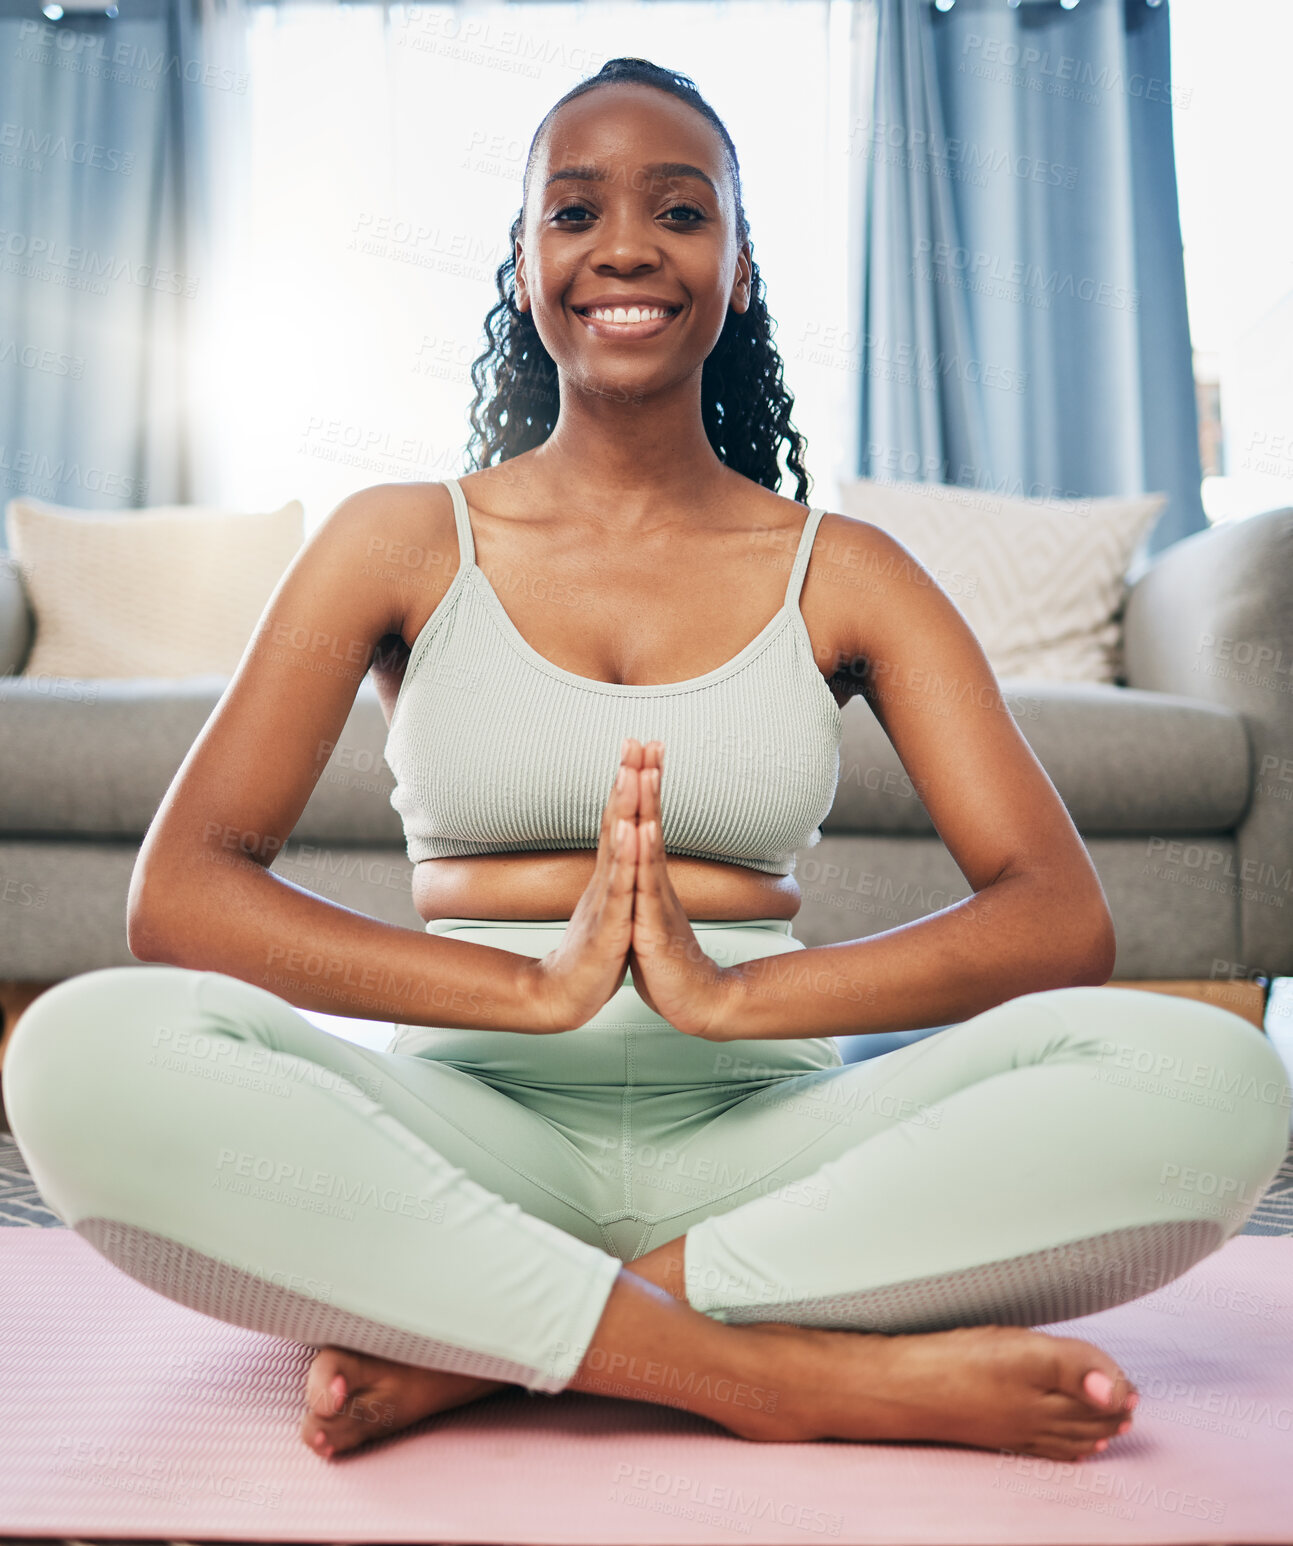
[
  {"x": 466, "y": 544},
  {"x": 803, "y": 554}
]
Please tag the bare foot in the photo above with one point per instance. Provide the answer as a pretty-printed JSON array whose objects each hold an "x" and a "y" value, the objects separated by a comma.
[
  {"x": 352, "y": 1398},
  {"x": 992, "y": 1387}
]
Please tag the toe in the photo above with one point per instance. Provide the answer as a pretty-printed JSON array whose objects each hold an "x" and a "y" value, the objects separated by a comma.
[
  {"x": 1090, "y": 1430},
  {"x": 1094, "y": 1379},
  {"x": 1058, "y": 1446},
  {"x": 343, "y": 1431},
  {"x": 315, "y": 1436},
  {"x": 327, "y": 1375},
  {"x": 337, "y": 1414}
]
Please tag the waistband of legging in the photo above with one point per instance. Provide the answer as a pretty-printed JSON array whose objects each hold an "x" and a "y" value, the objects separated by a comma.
[{"x": 447, "y": 925}]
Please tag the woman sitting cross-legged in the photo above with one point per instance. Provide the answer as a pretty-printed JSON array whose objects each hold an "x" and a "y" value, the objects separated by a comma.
[{"x": 612, "y": 1146}]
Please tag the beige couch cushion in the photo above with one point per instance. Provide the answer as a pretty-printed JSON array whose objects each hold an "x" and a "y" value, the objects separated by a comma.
[
  {"x": 172, "y": 591},
  {"x": 1041, "y": 582}
]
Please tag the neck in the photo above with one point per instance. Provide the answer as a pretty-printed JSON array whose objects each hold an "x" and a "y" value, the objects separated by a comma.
[{"x": 629, "y": 459}]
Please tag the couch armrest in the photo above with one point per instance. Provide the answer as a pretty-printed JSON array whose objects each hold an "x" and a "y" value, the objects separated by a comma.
[
  {"x": 17, "y": 626},
  {"x": 1212, "y": 618}
]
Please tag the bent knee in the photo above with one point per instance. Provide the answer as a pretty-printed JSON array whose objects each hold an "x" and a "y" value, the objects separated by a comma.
[
  {"x": 1184, "y": 1048},
  {"x": 82, "y": 1036},
  {"x": 1165, "y": 1031}
]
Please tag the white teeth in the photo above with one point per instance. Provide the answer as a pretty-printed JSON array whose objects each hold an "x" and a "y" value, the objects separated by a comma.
[{"x": 627, "y": 313}]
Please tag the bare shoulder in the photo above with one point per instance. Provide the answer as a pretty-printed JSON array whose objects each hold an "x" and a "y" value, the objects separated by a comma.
[
  {"x": 379, "y": 521},
  {"x": 839, "y": 594},
  {"x": 876, "y": 592},
  {"x": 394, "y": 518},
  {"x": 401, "y": 539}
]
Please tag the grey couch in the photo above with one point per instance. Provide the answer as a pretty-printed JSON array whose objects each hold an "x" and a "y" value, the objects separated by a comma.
[{"x": 1180, "y": 780}]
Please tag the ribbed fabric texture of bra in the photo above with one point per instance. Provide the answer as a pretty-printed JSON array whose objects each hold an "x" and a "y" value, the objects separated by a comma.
[{"x": 496, "y": 750}]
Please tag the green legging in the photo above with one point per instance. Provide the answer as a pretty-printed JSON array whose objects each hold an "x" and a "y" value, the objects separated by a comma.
[{"x": 464, "y": 1200}]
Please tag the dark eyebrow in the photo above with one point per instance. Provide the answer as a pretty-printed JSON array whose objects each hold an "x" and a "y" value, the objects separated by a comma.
[{"x": 594, "y": 174}]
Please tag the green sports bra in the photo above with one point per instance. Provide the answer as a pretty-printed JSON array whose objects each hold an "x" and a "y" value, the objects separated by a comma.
[{"x": 496, "y": 750}]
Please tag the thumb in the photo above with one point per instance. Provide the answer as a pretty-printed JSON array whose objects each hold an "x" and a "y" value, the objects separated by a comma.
[{"x": 643, "y": 992}]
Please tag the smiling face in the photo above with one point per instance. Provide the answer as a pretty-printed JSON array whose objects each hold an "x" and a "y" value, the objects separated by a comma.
[{"x": 630, "y": 201}]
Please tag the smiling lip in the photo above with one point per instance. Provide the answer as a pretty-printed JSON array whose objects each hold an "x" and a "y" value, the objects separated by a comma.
[{"x": 628, "y": 330}]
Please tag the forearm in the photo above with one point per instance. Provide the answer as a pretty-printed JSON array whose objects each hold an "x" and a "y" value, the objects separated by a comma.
[
  {"x": 228, "y": 913},
  {"x": 1021, "y": 934}
]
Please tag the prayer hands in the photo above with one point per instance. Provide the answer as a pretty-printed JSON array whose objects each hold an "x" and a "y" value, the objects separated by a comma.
[{"x": 630, "y": 914}]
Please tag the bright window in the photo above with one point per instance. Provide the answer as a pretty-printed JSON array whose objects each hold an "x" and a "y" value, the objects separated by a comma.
[
  {"x": 1230, "y": 87},
  {"x": 370, "y": 175}
]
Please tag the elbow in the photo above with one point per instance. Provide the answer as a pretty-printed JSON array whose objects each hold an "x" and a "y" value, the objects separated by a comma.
[
  {"x": 1071, "y": 942},
  {"x": 146, "y": 936},
  {"x": 142, "y": 939},
  {"x": 1094, "y": 961}
]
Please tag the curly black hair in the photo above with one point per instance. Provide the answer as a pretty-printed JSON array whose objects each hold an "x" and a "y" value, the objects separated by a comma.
[{"x": 744, "y": 405}]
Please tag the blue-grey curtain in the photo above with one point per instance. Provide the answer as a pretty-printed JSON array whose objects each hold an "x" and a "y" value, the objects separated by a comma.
[
  {"x": 102, "y": 250},
  {"x": 1025, "y": 325}
]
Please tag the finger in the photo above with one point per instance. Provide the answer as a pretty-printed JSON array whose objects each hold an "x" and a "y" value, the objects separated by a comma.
[
  {"x": 650, "y": 769},
  {"x": 624, "y": 871},
  {"x": 629, "y": 769},
  {"x": 615, "y": 866},
  {"x": 653, "y": 877},
  {"x": 643, "y": 777},
  {"x": 656, "y": 901},
  {"x": 611, "y": 896},
  {"x": 621, "y": 802},
  {"x": 610, "y": 814},
  {"x": 610, "y": 892},
  {"x": 650, "y": 931},
  {"x": 661, "y": 930},
  {"x": 632, "y": 761},
  {"x": 622, "y": 881},
  {"x": 648, "y": 879},
  {"x": 652, "y": 754},
  {"x": 650, "y": 812}
]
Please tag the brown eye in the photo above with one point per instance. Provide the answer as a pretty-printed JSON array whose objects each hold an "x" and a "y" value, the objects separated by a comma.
[{"x": 583, "y": 209}]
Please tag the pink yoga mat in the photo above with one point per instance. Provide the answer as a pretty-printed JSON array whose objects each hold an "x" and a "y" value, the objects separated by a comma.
[{"x": 123, "y": 1414}]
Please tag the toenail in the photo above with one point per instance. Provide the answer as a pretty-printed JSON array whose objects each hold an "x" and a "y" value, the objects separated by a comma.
[
  {"x": 1102, "y": 1444},
  {"x": 338, "y": 1388},
  {"x": 1132, "y": 1401},
  {"x": 1098, "y": 1386},
  {"x": 1124, "y": 1426},
  {"x": 319, "y": 1440}
]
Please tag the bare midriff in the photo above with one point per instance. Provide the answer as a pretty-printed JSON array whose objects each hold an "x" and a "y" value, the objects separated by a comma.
[{"x": 549, "y": 885}]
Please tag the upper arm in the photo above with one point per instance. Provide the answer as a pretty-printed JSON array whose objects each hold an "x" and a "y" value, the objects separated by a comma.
[
  {"x": 926, "y": 678},
  {"x": 247, "y": 777}
]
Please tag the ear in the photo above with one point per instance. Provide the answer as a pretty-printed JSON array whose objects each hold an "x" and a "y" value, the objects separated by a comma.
[{"x": 743, "y": 284}]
